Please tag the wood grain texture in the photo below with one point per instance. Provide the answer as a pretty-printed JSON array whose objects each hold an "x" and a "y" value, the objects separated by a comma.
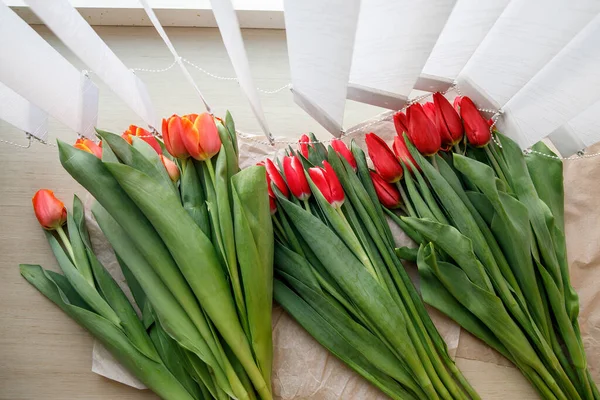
[{"x": 44, "y": 354}]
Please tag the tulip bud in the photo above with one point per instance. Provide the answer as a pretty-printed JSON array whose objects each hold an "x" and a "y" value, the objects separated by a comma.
[
  {"x": 422, "y": 131},
  {"x": 89, "y": 146},
  {"x": 341, "y": 148},
  {"x": 272, "y": 205},
  {"x": 403, "y": 154},
  {"x": 328, "y": 183},
  {"x": 448, "y": 119},
  {"x": 172, "y": 131},
  {"x": 273, "y": 176},
  {"x": 446, "y": 139},
  {"x": 142, "y": 134},
  {"x": 456, "y": 104},
  {"x": 383, "y": 158},
  {"x": 304, "y": 142},
  {"x": 388, "y": 194},
  {"x": 49, "y": 211},
  {"x": 200, "y": 136},
  {"x": 476, "y": 127},
  {"x": 400, "y": 123},
  {"x": 171, "y": 167},
  {"x": 296, "y": 180}
]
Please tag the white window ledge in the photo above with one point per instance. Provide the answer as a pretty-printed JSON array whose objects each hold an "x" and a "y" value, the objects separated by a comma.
[{"x": 265, "y": 14}]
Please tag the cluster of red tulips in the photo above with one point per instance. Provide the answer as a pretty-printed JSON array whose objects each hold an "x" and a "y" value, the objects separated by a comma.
[{"x": 431, "y": 127}]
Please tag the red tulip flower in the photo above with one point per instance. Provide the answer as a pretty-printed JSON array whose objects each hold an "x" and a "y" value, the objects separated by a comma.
[
  {"x": 172, "y": 131},
  {"x": 403, "y": 154},
  {"x": 341, "y": 148},
  {"x": 400, "y": 123},
  {"x": 328, "y": 183},
  {"x": 304, "y": 142},
  {"x": 171, "y": 167},
  {"x": 432, "y": 114},
  {"x": 422, "y": 131},
  {"x": 274, "y": 176},
  {"x": 383, "y": 158},
  {"x": 200, "y": 136},
  {"x": 456, "y": 103},
  {"x": 387, "y": 193},
  {"x": 49, "y": 211},
  {"x": 477, "y": 128},
  {"x": 142, "y": 134},
  {"x": 296, "y": 180},
  {"x": 448, "y": 120},
  {"x": 89, "y": 146}
]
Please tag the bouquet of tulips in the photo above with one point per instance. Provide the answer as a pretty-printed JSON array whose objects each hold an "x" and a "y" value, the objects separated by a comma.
[
  {"x": 193, "y": 236},
  {"x": 489, "y": 222},
  {"x": 337, "y": 274}
]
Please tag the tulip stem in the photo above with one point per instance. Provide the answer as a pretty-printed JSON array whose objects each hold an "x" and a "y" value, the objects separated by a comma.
[
  {"x": 456, "y": 148},
  {"x": 307, "y": 206},
  {"x": 434, "y": 162},
  {"x": 495, "y": 164},
  {"x": 66, "y": 242},
  {"x": 279, "y": 227},
  {"x": 411, "y": 211},
  {"x": 211, "y": 171}
]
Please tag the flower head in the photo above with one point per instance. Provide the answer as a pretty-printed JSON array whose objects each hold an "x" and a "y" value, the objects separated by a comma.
[
  {"x": 400, "y": 123},
  {"x": 383, "y": 158},
  {"x": 172, "y": 131},
  {"x": 422, "y": 132},
  {"x": 403, "y": 154},
  {"x": 341, "y": 148},
  {"x": 387, "y": 193},
  {"x": 200, "y": 136},
  {"x": 328, "y": 184},
  {"x": 477, "y": 128},
  {"x": 449, "y": 122},
  {"x": 142, "y": 134},
  {"x": 49, "y": 211},
  {"x": 296, "y": 180},
  {"x": 89, "y": 146},
  {"x": 171, "y": 167},
  {"x": 304, "y": 142}
]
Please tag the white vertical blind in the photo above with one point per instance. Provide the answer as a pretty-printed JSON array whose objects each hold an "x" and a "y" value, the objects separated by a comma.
[
  {"x": 527, "y": 35},
  {"x": 22, "y": 114},
  {"x": 468, "y": 24},
  {"x": 78, "y": 35},
  {"x": 36, "y": 71},
  {"x": 581, "y": 131},
  {"x": 320, "y": 38},
  {"x": 393, "y": 41},
  {"x": 232, "y": 38},
  {"x": 561, "y": 90}
]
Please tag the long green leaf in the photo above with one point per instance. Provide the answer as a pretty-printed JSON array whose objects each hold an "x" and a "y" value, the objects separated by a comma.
[
  {"x": 153, "y": 374},
  {"x": 80, "y": 284},
  {"x": 254, "y": 244},
  {"x": 325, "y": 333},
  {"x": 193, "y": 197},
  {"x": 196, "y": 258},
  {"x": 512, "y": 230},
  {"x": 77, "y": 234},
  {"x": 122, "y": 307},
  {"x": 172, "y": 316}
]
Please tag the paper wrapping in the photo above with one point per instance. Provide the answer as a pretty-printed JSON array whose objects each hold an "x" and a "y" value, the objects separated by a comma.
[{"x": 303, "y": 369}]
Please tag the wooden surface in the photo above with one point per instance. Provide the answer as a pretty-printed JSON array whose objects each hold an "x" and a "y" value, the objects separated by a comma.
[{"x": 44, "y": 354}]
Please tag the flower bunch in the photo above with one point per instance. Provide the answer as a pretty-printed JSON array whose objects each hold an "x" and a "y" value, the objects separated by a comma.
[
  {"x": 489, "y": 223},
  {"x": 193, "y": 236},
  {"x": 337, "y": 274}
]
